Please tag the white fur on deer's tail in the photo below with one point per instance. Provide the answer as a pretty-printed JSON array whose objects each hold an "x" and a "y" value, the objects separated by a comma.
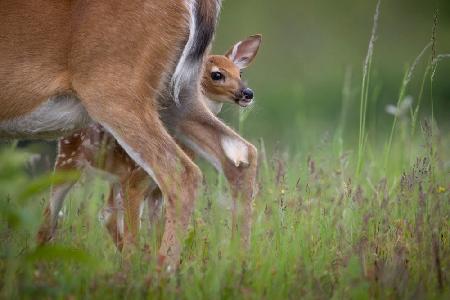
[{"x": 202, "y": 24}]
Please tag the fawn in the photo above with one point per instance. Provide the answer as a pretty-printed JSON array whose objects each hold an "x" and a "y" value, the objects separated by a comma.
[
  {"x": 93, "y": 147},
  {"x": 134, "y": 67}
]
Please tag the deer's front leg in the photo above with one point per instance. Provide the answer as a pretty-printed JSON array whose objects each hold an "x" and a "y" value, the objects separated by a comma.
[{"x": 228, "y": 152}]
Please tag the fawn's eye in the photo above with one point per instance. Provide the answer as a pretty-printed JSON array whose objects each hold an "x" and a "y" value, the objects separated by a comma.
[{"x": 217, "y": 76}]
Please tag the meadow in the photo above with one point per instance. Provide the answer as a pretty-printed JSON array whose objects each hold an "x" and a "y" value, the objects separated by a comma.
[{"x": 353, "y": 194}]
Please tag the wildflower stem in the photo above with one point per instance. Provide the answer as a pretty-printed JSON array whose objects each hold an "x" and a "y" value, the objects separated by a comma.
[{"x": 365, "y": 90}]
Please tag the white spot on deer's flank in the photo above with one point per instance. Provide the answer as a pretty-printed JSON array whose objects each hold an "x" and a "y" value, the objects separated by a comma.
[{"x": 235, "y": 150}]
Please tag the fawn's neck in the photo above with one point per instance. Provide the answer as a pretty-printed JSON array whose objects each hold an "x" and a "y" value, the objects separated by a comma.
[{"x": 214, "y": 106}]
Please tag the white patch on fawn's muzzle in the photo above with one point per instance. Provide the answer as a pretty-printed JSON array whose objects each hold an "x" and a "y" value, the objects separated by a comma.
[
  {"x": 235, "y": 150},
  {"x": 244, "y": 102}
]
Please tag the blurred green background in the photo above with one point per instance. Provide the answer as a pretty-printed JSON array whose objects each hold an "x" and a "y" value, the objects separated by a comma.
[{"x": 309, "y": 45}]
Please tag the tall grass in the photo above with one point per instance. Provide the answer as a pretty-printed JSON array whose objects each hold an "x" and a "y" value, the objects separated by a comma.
[
  {"x": 317, "y": 233},
  {"x": 365, "y": 85}
]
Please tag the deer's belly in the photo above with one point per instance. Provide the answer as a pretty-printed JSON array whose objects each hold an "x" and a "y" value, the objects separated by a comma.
[{"x": 56, "y": 117}]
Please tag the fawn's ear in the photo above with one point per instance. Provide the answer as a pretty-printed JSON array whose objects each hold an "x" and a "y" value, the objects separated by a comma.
[{"x": 243, "y": 52}]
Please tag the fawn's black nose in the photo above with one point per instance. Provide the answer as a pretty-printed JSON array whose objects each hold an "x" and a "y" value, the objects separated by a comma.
[{"x": 247, "y": 93}]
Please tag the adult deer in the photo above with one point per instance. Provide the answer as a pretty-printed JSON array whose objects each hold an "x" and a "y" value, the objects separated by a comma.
[{"x": 134, "y": 67}]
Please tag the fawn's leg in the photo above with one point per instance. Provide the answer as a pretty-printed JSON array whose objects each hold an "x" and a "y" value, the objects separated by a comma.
[
  {"x": 123, "y": 210},
  {"x": 68, "y": 156},
  {"x": 154, "y": 200},
  {"x": 112, "y": 215},
  {"x": 228, "y": 152}
]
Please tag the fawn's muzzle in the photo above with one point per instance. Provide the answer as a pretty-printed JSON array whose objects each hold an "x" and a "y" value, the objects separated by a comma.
[
  {"x": 247, "y": 94},
  {"x": 244, "y": 97}
]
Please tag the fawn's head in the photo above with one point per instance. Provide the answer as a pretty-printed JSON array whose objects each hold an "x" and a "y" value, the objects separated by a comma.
[{"x": 222, "y": 80}]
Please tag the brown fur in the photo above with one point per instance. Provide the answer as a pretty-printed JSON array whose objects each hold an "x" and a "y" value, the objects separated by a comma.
[{"x": 32, "y": 70}]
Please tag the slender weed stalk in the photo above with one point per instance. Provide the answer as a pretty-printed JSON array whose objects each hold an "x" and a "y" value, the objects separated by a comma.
[
  {"x": 415, "y": 113},
  {"x": 434, "y": 64},
  {"x": 263, "y": 159},
  {"x": 365, "y": 89},
  {"x": 433, "y": 61},
  {"x": 401, "y": 96},
  {"x": 427, "y": 71}
]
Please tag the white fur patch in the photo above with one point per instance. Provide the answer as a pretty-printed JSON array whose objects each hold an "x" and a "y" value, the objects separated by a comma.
[
  {"x": 53, "y": 118},
  {"x": 121, "y": 222},
  {"x": 215, "y": 69},
  {"x": 235, "y": 150},
  {"x": 141, "y": 212},
  {"x": 183, "y": 70},
  {"x": 118, "y": 207},
  {"x": 214, "y": 106}
]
